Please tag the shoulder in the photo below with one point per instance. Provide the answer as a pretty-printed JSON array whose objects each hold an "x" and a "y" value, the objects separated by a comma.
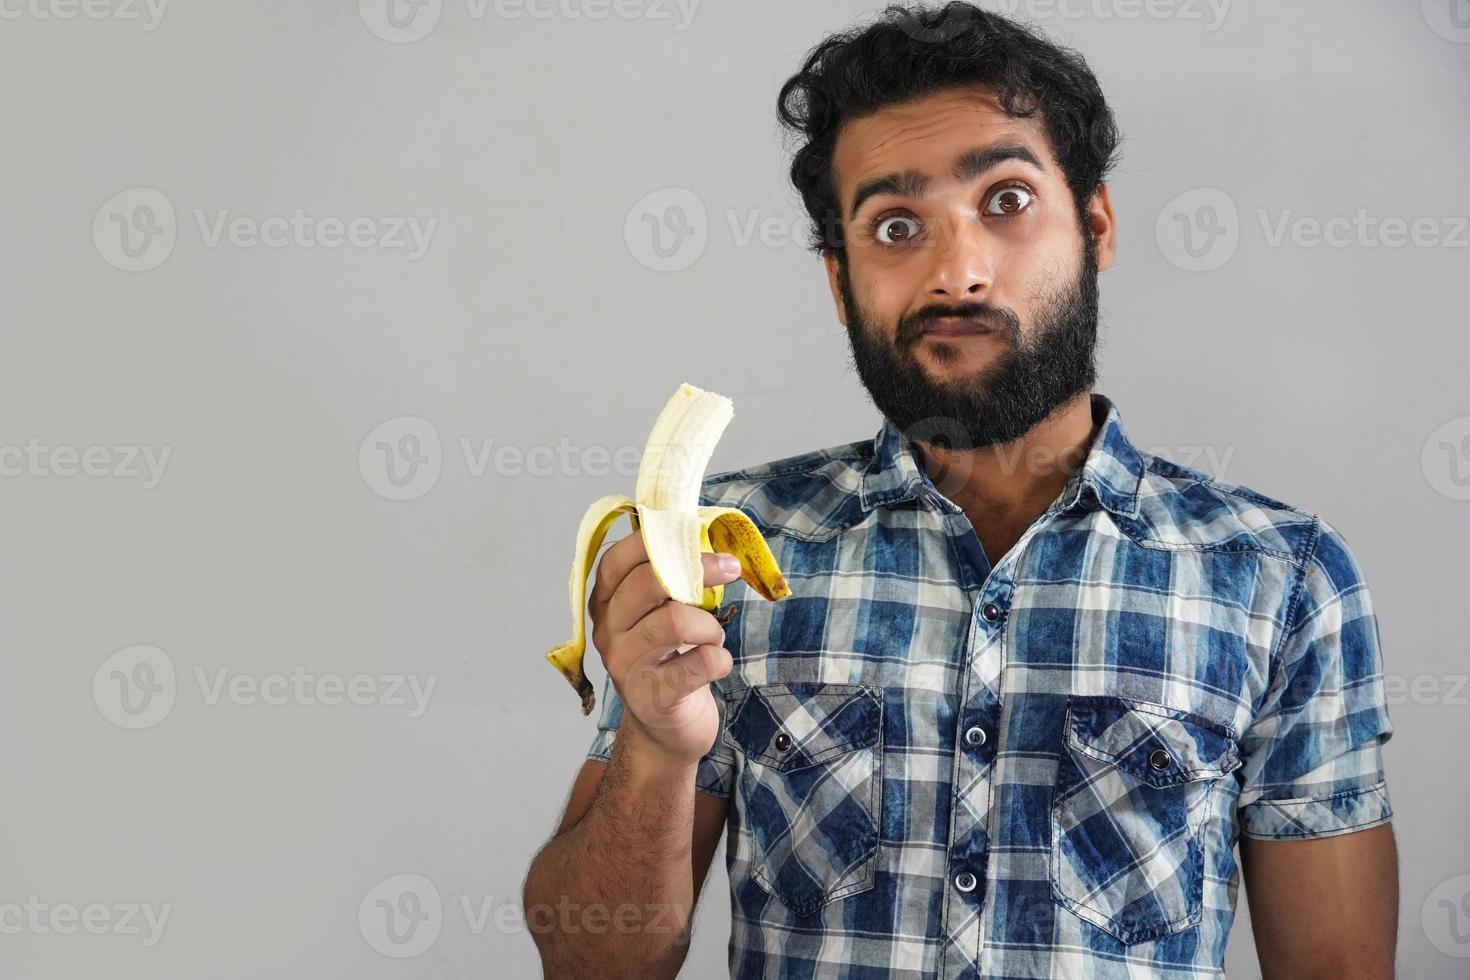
[
  {"x": 1185, "y": 508},
  {"x": 805, "y": 496}
]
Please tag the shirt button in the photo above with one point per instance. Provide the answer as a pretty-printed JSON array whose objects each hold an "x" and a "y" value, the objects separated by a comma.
[
  {"x": 975, "y": 736},
  {"x": 1158, "y": 759},
  {"x": 990, "y": 611},
  {"x": 965, "y": 881},
  {"x": 783, "y": 742}
]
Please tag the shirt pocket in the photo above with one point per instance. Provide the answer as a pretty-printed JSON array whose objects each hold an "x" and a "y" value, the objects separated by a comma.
[
  {"x": 1132, "y": 790},
  {"x": 810, "y": 788}
]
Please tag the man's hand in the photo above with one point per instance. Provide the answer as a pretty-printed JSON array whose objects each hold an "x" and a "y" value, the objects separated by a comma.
[
  {"x": 636, "y": 627},
  {"x": 634, "y": 835},
  {"x": 1325, "y": 907}
]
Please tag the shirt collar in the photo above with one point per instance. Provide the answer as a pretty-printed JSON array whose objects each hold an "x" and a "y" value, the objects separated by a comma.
[{"x": 1112, "y": 471}]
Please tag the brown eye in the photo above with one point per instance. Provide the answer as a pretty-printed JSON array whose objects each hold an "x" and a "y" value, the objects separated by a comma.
[
  {"x": 895, "y": 230},
  {"x": 1008, "y": 200}
]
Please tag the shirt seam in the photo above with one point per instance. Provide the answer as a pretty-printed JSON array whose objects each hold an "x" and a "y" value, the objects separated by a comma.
[{"x": 1293, "y": 606}]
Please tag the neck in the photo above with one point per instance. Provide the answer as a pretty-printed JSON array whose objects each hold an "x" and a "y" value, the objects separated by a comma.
[{"x": 1011, "y": 484}]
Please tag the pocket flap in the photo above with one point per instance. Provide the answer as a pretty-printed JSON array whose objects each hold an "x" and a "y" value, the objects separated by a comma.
[
  {"x": 791, "y": 726},
  {"x": 1159, "y": 745}
]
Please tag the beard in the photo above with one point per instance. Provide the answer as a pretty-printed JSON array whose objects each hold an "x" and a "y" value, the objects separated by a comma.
[{"x": 1009, "y": 396}]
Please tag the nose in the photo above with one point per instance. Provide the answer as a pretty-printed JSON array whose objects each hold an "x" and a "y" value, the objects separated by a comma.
[{"x": 962, "y": 266}]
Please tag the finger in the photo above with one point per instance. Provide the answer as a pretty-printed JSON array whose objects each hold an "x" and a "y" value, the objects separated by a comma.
[
  {"x": 640, "y": 593},
  {"x": 668, "y": 627},
  {"x": 615, "y": 564},
  {"x": 700, "y": 667}
]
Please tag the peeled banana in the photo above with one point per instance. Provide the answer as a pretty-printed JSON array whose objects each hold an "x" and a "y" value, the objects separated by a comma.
[{"x": 665, "y": 509}]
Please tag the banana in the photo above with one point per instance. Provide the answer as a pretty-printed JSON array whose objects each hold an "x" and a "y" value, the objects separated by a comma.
[{"x": 665, "y": 509}]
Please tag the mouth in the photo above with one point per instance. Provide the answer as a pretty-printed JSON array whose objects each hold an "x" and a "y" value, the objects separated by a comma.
[{"x": 956, "y": 326}]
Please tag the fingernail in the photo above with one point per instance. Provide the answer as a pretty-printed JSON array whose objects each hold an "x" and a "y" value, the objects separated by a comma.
[{"x": 729, "y": 564}]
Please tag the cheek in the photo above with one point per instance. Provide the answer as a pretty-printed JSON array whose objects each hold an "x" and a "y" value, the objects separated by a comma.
[
  {"x": 1041, "y": 268},
  {"x": 880, "y": 293}
]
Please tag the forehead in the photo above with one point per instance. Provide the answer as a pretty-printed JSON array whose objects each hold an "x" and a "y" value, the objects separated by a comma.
[{"x": 928, "y": 134}]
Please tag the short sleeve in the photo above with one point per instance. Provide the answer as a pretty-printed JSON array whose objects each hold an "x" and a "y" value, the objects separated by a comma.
[
  {"x": 1312, "y": 760},
  {"x": 716, "y": 773}
]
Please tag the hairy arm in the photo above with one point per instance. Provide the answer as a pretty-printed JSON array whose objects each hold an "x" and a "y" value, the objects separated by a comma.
[{"x": 612, "y": 893}]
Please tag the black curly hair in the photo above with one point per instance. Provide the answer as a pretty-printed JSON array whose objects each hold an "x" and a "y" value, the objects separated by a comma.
[{"x": 912, "y": 51}]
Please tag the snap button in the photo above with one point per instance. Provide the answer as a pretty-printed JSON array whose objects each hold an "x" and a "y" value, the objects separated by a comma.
[
  {"x": 783, "y": 742},
  {"x": 1159, "y": 759},
  {"x": 975, "y": 736},
  {"x": 965, "y": 881},
  {"x": 990, "y": 611}
]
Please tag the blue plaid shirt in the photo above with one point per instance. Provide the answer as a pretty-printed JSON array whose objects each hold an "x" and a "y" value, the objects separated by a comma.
[{"x": 943, "y": 767}]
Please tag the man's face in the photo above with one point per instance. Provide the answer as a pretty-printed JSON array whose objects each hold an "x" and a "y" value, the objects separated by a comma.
[{"x": 950, "y": 206}]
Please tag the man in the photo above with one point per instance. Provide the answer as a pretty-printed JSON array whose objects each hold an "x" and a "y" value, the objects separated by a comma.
[{"x": 1032, "y": 684}]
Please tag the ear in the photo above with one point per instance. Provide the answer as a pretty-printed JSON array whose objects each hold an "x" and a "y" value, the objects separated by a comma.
[
  {"x": 1104, "y": 230},
  {"x": 830, "y": 260}
]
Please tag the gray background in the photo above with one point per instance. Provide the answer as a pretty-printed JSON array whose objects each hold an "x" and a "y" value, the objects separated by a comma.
[{"x": 1331, "y": 377}]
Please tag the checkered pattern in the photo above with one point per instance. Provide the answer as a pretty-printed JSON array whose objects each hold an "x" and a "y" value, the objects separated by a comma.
[
  {"x": 814, "y": 761},
  {"x": 918, "y": 789}
]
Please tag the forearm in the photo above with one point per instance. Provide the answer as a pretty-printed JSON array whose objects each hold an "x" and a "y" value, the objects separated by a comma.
[{"x": 612, "y": 895}]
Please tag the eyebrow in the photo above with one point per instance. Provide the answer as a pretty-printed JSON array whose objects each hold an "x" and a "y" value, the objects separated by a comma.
[{"x": 968, "y": 166}]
